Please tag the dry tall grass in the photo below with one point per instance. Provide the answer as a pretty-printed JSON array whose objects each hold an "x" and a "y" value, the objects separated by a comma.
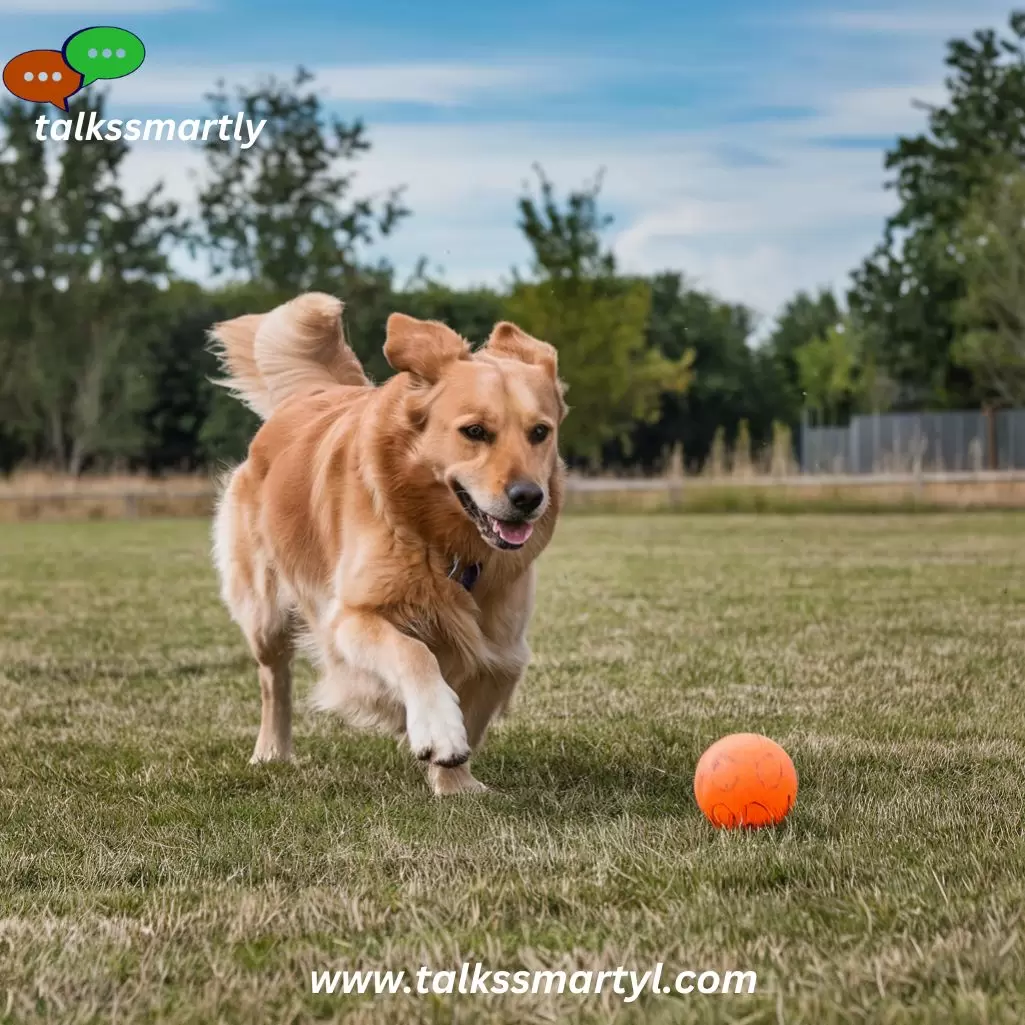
[
  {"x": 35, "y": 483},
  {"x": 732, "y": 480}
]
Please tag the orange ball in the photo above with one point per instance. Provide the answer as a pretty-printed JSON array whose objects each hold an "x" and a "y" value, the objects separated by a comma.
[{"x": 745, "y": 779}]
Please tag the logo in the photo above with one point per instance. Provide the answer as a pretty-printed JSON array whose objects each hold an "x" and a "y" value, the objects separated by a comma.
[{"x": 87, "y": 56}]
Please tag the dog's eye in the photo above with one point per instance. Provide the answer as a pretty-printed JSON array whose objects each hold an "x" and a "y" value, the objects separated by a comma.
[
  {"x": 475, "y": 432},
  {"x": 539, "y": 433}
]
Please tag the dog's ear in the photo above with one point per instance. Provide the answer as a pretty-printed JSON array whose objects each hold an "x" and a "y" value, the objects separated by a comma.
[
  {"x": 422, "y": 347},
  {"x": 510, "y": 341}
]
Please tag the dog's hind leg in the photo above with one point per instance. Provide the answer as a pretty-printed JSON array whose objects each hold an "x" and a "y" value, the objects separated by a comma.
[
  {"x": 274, "y": 742},
  {"x": 252, "y": 590}
]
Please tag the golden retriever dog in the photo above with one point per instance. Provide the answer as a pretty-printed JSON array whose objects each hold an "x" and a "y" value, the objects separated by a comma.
[{"x": 392, "y": 529}]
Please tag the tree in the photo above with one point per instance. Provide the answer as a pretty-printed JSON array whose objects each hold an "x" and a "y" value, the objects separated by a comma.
[
  {"x": 838, "y": 374},
  {"x": 281, "y": 212},
  {"x": 992, "y": 312},
  {"x": 596, "y": 320},
  {"x": 190, "y": 423},
  {"x": 470, "y": 312},
  {"x": 907, "y": 292},
  {"x": 827, "y": 369},
  {"x": 79, "y": 266},
  {"x": 281, "y": 216},
  {"x": 731, "y": 380},
  {"x": 803, "y": 318}
]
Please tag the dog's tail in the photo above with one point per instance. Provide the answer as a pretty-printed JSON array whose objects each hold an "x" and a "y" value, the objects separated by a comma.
[{"x": 297, "y": 347}]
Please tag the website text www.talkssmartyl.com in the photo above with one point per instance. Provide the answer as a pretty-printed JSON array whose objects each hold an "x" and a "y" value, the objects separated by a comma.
[{"x": 477, "y": 978}]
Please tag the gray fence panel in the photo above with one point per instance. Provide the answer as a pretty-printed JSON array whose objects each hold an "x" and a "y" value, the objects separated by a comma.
[
  {"x": 950, "y": 441},
  {"x": 1010, "y": 432},
  {"x": 825, "y": 450}
]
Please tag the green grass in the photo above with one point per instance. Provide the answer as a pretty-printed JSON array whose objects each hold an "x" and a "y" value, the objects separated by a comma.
[{"x": 147, "y": 873}]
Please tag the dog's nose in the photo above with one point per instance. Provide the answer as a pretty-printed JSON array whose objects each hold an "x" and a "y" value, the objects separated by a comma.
[{"x": 525, "y": 495}]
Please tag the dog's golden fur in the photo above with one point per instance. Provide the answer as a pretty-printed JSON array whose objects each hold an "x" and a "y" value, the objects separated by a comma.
[{"x": 346, "y": 524}]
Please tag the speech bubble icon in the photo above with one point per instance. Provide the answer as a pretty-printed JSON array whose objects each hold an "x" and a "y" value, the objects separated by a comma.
[
  {"x": 104, "y": 51},
  {"x": 42, "y": 76}
]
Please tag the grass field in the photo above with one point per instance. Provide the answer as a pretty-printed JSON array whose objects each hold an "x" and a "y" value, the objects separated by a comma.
[{"x": 147, "y": 873}]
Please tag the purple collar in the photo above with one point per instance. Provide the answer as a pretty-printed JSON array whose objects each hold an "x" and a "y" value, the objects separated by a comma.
[{"x": 466, "y": 575}]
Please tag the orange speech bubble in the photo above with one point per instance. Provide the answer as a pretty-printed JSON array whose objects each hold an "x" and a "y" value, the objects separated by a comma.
[{"x": 42, "y": 76}]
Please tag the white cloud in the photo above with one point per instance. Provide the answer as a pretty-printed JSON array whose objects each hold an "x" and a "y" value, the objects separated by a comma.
[
  {"x": 876, "y": 110},
  {"x": 433, "y": 84},
  {"x": 752, "y": 210},
  {"x": 96, "y": 6},
  {"x": 934, "y": 21},
  {"x": 173, "y": 163},
  {"x": 803, "y": 218},
  {"x": 753, "y": 232}
]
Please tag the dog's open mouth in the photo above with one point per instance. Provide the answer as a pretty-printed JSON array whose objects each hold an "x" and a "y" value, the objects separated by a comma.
[{"x": 507, "y": 534}]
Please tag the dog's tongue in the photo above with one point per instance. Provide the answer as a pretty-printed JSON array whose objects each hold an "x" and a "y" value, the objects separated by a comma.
[{"x": 512, "y": 533}]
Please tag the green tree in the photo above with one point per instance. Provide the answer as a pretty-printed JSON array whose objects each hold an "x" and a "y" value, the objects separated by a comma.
[
  {"x": 803, "y": 318},
  {"x": 282, "y": 212},
  {"x": 907, "y": 292},
  {"x": 827, "y": 368},
  {"x": 79, "y": 267},
  {"x": 181, "y": 369},
  {"x": 283, "y": 215},
  {"x": 471, "y": 312},
  {"x": 992, "y": 312},
  {"x": 595, "y": 319},
  {"x": 838, "y": 373},
  {"x": 731, "y": 379},
  {"x": 190, "y": 423}
]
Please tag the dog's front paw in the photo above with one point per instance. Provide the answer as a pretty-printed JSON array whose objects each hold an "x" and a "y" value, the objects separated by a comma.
[
  {"x": 269, "y": 752},
  {"x": 449, "y": 782},
  {"x": 435, "y": 728}
]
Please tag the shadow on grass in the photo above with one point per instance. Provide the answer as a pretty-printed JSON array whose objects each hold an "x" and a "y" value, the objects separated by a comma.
[{"x": 559, "y": 775}]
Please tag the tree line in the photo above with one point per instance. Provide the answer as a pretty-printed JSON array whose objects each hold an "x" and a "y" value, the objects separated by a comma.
[{"x": 103, "y": 358}]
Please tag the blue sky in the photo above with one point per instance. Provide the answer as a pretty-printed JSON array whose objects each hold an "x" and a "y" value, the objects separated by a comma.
[{"x": 742, "y": 142}]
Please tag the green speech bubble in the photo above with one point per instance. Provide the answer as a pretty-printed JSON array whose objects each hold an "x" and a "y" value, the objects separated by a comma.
[{"x": 104, "y": 52}]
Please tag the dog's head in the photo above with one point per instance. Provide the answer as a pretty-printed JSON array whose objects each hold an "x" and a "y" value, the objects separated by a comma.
[{"x": 486, "y": 423}]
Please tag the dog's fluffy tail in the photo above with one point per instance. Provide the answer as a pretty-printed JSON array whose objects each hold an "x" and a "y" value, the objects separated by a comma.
[{"x": 297, "y": 347}]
